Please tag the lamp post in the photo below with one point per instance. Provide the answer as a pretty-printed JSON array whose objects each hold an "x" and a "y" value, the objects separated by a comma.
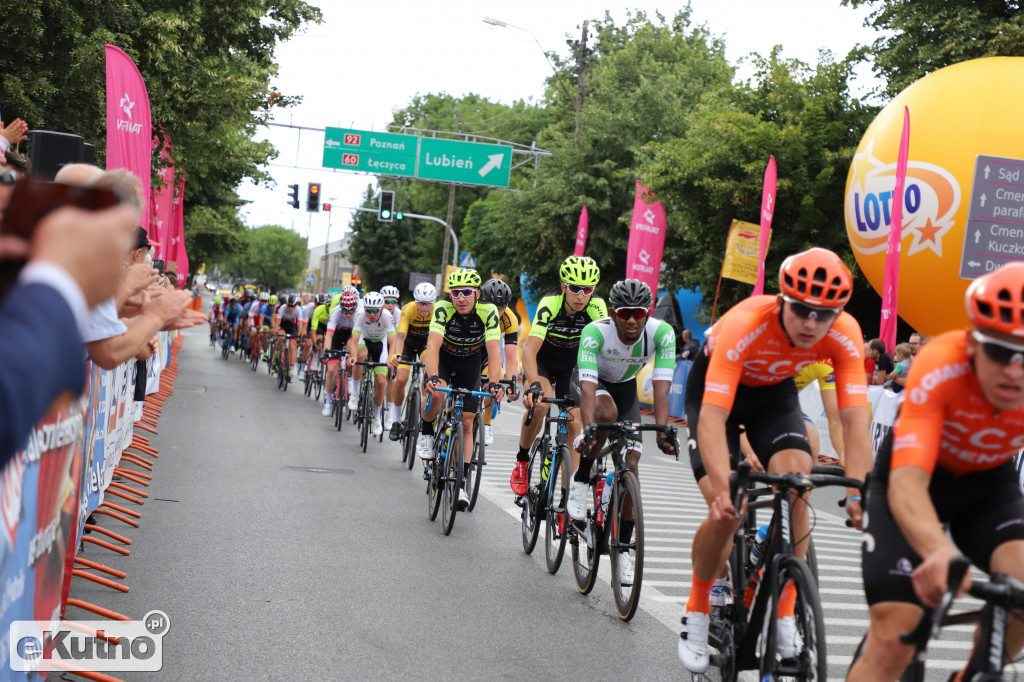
[{"x": 501, "y": 24}]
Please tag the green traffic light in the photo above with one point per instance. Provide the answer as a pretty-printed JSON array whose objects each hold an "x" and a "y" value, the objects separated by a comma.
[
  {"x": 399, "y": 215},
  {"x": 385, "y": 214}
]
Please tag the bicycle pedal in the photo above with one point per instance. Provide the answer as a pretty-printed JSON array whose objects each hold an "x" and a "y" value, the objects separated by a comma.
[{"x": 519, "y": 502}]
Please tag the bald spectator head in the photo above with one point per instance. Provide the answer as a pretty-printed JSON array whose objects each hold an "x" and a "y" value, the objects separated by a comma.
[
  {"x": 78, "y": 174},
  {"x": 687, "y": 335},
  {"x": 122, "y": 183}
]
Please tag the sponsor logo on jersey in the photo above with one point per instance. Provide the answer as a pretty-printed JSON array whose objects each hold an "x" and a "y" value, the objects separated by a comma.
[
  {"x": 734, "y": 353},
  {"x": 589, "y": 343},
  {"x": 919, "y": 394},
  {"x": 712, "y": 387}
]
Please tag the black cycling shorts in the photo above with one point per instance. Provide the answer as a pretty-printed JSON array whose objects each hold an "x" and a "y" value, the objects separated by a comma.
[
  {"x": 414, "y": 345},
  {"x": 373, "y": 350},
  {"x": 770, "y": 415},
  {"x": 341, "y": 337},
  {"x": 560, "y": 376},
  {"x": 624, "y": 395},
  {"x": 461, "y": 372},
  {"x": 289, "y": 327},
  {"x": 981, "y": 510}
]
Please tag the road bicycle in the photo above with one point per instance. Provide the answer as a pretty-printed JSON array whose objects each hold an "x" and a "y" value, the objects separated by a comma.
[
  {"x": 744, "y": 632},
  {"x": 225, "y": 343},
  {"x": 547, "y": 485},
  {"x": 365, "y": 406},
  {"x": 476, "y": 464},
  {"x": 259, "y": 343},
  {"x": 606, "y": 528},
  {"x": 411, "y": 417},
  {"x": 339, "y": 408},
  {"x": 314, "y": 378},
  {"x": 444, "y": 473},
  {"x": 284, "y": 366}
]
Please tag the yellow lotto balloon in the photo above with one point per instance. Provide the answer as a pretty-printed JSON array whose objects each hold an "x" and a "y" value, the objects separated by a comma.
[{"x": 956, "y": 114}]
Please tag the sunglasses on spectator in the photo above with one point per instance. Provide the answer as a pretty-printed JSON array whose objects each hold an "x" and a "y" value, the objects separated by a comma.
[
  {"x": 809, "y": 312},
  {"x": 630, "y": 313},
  {"x": 999, "y": 352},
  {"x": 573, "y": 289},
  {"x": 390, "y": 301},
  {"x": 372, "y": 311},
  {"x": 463, "y": 293},
  {"x": 9, "y": 177}
]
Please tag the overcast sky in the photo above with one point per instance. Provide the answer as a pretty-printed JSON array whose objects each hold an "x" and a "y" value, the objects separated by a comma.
[{"x": 368, "y": 58}]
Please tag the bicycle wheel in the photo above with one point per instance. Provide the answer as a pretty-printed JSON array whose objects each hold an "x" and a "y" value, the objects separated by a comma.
[
  {"x": 280, "y": 377},
  {"x": 435, "y": 482},
  {"x": 534, "y": 500},
  {"x": 556, "y": 517},
  {"x": 585, "y": 537},
  {"x": 286, "y": 366},
  {"x": 254, "y": 357},
  {"x": 363, "y": 416},
  {"x": 318, "y": 381},
  {"x": 308, "y": 382},
  {"x": 412, "y": 426},
  {"x": 452, "y": 480},
  {"x": 476, "y": 465},
  {"x": 626, "y": 551},
  {"x": 812, "y": 559},
  {"x": 809, "y": 663}
]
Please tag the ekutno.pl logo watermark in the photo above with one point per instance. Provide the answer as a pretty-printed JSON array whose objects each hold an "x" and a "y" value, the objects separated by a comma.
[{"x": 90, "y": 645}]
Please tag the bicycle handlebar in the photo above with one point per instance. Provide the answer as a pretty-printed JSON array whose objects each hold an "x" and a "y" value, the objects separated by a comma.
[{"x": 458, "y": 391}]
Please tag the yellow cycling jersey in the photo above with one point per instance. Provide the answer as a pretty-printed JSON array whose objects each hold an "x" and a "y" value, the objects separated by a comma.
[
  {"x": 411, "y": 323},
  {"x": 820, "y": 371},
  {"x": 509, "y": 326}
]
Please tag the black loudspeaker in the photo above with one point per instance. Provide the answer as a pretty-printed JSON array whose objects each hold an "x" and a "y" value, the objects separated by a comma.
[
  {"x": 88, "y": 153},
  {"x": 49, "y": 151}
]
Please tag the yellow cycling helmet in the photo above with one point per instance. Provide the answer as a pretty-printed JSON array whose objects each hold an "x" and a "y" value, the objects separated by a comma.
[
  {"x": 581, "y": 271},
  {"x": 463, "y": 277}
]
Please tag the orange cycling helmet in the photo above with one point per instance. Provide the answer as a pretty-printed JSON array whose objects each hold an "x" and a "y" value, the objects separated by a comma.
[
  {"x": 996, "y": 301},
  {"x": 816, "y": 277}
]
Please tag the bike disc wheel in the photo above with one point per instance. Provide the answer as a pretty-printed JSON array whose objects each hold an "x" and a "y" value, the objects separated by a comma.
[
  {"x": 626, "y": 502},
  {"x": 585, "y": 537},
  {"x": 434, "y": 480},
  {"x": 532, "y": 502},
  {"x": 810, "y": 664},
  {"x": 476, "y": 465},
  {"x": 452, "y": 481},
  {"x": 556, "y": 518}
]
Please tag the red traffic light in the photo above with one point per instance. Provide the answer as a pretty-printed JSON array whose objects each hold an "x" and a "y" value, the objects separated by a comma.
[{"x": 325, "y": 207}]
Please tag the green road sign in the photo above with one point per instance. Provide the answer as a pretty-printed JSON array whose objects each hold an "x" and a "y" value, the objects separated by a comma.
[
  {"x": 364, "y": 150},
  {"x": 466, "y": 162}
]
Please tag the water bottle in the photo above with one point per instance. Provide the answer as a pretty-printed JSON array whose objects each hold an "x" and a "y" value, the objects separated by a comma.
[
  {"x": 600, "y": 498},
  {"x": 757, "y": 546},
  {"x": 604, "y": 492}
]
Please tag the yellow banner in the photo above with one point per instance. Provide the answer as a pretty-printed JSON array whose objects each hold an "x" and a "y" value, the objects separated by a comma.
[
  {"x": 741, "y": 251},
  {"x": 346, "y": 279},
  {"x": 447, "y": 271}
]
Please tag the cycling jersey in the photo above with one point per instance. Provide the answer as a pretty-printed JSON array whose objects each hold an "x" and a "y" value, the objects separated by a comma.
[
  {"x": 559, "y": 330},
  {"x": 945, "y": 421},
  {"x": 232, "y": 313},
  {"x": 318, "y": 323},
  {"x": 510, "y": 327},
  {"x": 289, "y": 314},
  {"x": 603, "y": 356},
  {"x": 307, "y": 311},
  {"x": 372, "y": 331},
  {"x": 749, "y": 347},
  {"x": 411, "y": 323},
  {"x": 465, "y": 335},
  {"x": 820, "y": 371},
  {"x": 266, "y": 313},
  {"x": 338, "y": 320}
]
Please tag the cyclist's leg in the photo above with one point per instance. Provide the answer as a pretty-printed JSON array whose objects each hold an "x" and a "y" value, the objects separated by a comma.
[{"x": 528, "y": 433}]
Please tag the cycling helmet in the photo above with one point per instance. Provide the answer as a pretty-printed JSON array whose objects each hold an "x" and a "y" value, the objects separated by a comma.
[
  {"x": 373, "y": 300},
  {"x": 496, "y": 291},
  {"x": 995, "y": 301},
  {"x": 264, "y": 296},
  {"x": 424, "y": 293},
  {"x": 816, "y": 277},
  {"x": 630, "y": 293},
  {"x": 580, "y": 270},
  {"x": 217, "y": 300},
  {"x": 351, "y": 288},
  {"x": 273, "y": 299},
  {"x": 227, "y": 299},
  {"x": 293, "y": 300},
  {"x": 321, "y": 299},
  {"x": 348, "y": 300},
  {"x": 390, "y": 292},
  {"x": 463, "y": 277}
]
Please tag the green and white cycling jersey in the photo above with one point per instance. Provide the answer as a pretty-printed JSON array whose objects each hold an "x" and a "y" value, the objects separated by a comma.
[{"x": 603, "y": 357}]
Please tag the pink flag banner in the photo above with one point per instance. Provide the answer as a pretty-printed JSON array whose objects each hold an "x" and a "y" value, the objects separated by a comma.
[
  {"x": 177, "y": 259},
  {"x": 767, "y": 211},
  {"x": 891, "y": 283},
  {"x": 129, "y": 122},
  {"x": 581, "y": 233},
  {"x": 646, "y": 239},
  {"x": 160, "y": 226}
]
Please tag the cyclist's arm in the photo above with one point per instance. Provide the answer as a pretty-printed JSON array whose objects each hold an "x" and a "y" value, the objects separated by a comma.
[
  {"x": 714, "y": 447},
  {"x": 857, "y": 449},
  {"x": 835, "y": 425},
  {"x": 588, "y": 402},
  {"x": 493, "y": 347},
  {"x": 398, "y": 343},
  {"x": 661, "y": 389},
  {"x": 511, "y": 361},
  {"x": 530, "y": 348},
  {"x": 430, "y": 357}
]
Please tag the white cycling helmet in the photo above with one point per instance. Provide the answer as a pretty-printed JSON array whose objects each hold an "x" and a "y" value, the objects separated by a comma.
[
  {"x": 425, "y": 293},
  {"x": 373, "y": 300},
  {"x": 389, "y": 292},
  {"x": 264, "y": 296}
]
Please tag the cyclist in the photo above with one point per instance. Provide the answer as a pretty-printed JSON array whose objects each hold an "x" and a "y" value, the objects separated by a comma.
[
  {"x": 410, "y": 341},
  {"x": 391, "y": 296},
  {"x": 286, "y": 320},
  {"x": 306, "y": 334},
  {"x": 612, "y": 351},
  {"x": 371, "y": 335},
  {"x": 321, "y": 314},
  {"x": 462, "y": 329},
  {"x": 823, "y": 373},
  {"x": 339, "y": 331},
  {"x": 549, "y": 351},
  {"x": 744, "y": 376},
  {"x": 948, "y": 464},
  {"x": 254, "y": 317},
  {"x": 215, "y": 315},
  {"x": 232, "y": 313},
  {"x": 496, "y": 292}
]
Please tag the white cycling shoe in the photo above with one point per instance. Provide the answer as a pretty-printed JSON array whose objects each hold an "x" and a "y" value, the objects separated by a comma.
[{"x": 693, "y": 642}]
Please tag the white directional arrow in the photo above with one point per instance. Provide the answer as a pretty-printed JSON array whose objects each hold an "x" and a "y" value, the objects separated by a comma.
[
  {"x": 977, "y": 235},
  {"x": 983, "y": 201},
  {"x": 332, "y": 143},
  {"x": 495, "y": 162},
  {"x": 986, "y": 172},
  {"x": 973, "y": 263}
]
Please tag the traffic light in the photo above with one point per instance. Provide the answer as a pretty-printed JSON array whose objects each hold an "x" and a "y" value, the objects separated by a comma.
[
  {"x": 399, "y": 215},
  {"x": 326, "y": 208},
  {"x": 386, "y": 207},
  {"x": 294, "y": 194},
  {"x": 313, "y": 197}
]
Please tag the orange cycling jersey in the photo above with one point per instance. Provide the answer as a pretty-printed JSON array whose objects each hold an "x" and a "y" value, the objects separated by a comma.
[
  {"x": 945, "y": 419},
  {"x": 748, "y": 346}
]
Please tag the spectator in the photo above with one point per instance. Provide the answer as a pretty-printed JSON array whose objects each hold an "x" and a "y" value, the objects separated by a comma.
[
  {"x": 690, "y": 347},
  {"x": 883, "y": 361},
  {"x": 916, "y": 341},
  {"x": 869, "y": 363},
  {"x": 897, "y": 378}
]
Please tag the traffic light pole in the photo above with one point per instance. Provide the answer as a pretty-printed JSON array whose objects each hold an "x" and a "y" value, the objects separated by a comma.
[{"x": 451, "y": 232}]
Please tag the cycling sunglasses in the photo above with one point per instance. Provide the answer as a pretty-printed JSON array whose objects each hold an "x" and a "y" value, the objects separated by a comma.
[
  {"x": 371, "y": 311},
  {"x": 573, "y": 289},
  {"x": 809, "y": 312},
  {"x": 999, "y": 352},
  {"x": 463, "y": 293},
  {"x": 9, "y": 177},
  {"x": 630, "y": 313},
  {"x": 390, "y": 301}
]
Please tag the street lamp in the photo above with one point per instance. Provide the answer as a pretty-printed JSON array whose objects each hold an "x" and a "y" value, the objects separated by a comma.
[{"x": 501, "y": 24}]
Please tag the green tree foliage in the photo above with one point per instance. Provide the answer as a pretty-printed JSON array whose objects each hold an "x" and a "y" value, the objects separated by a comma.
[
  {"x": 207, "y": 68},
  {"x": 922, "y": 36},
  {"x": 272, "y": 255},
  {"x": 383, "y": 250}
]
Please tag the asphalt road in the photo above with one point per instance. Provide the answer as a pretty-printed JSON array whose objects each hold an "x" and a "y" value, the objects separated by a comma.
[{"x": 280, "y": 551}]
